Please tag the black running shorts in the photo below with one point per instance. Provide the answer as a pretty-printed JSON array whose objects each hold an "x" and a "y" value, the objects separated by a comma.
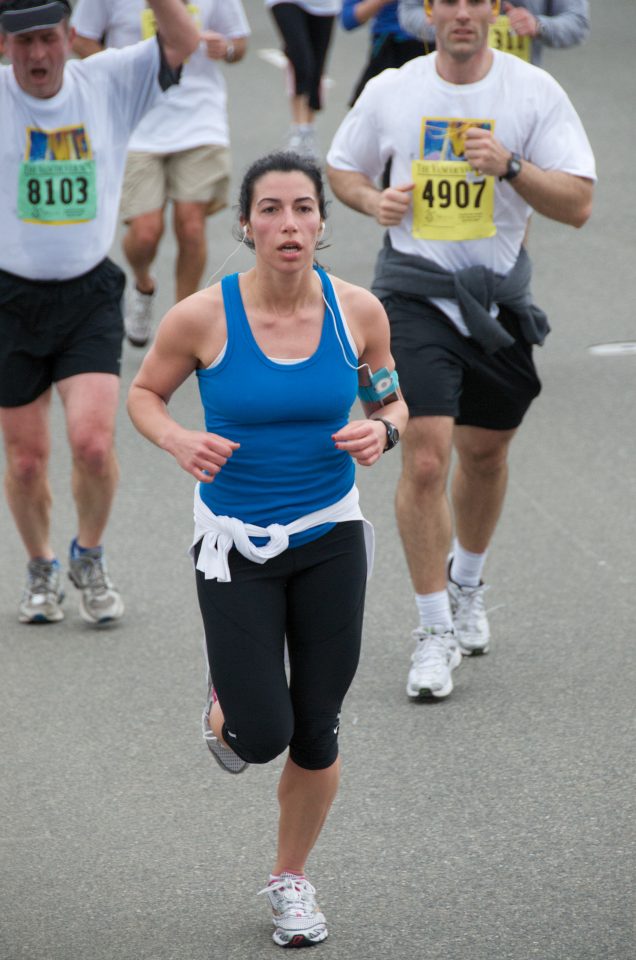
[
  {"x": 53, "y": 329},
  {"x": 443, "y": 373}
]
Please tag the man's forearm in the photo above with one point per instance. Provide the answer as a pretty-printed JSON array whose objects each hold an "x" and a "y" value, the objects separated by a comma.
[
  {"x": 85, "y": 47},
  {"x": 355, "y": 189},
  {"x": 179, "y": 35},
  {"x": 559, "y": 196}
]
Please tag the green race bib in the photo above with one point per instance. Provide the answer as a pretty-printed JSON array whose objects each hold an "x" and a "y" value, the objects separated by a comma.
[{"x": 57, "y": 191}]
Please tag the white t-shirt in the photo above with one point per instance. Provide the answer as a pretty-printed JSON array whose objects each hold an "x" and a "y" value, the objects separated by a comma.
[
  {"x": 62, "y": 161},
  {"x": 320, "y": 8},
  {"x": 194, "y": 113},
  {"x": 533, "y": 117}
]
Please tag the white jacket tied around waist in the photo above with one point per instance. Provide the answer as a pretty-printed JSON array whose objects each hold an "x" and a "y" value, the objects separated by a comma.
[{"x": 220, "y": 534}]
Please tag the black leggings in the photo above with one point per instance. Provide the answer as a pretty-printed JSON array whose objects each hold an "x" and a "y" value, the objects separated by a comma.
[
  {"x": 314, "y": 596},
  {"x": 306, "y": 42}
]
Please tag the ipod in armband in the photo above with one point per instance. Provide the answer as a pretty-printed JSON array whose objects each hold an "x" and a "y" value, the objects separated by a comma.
[{"x": 384, "y": 383}]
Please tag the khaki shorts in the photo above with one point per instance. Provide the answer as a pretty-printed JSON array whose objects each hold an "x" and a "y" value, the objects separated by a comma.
[{"x": 200, "y": 175}]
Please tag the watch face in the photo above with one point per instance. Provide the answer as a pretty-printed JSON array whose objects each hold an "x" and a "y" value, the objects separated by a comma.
[
  {"x": 392, "y": 436},
  {"x": 514, "y": 167}
]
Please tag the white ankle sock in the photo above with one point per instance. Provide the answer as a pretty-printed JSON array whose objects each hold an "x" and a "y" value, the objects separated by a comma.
[
  {"x": 434, "y": 609},
  {"x": 467, "y": 567}
]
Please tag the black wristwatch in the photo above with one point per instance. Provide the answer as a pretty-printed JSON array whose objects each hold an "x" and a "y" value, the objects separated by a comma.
[
  {"x": 392, "y": 434},
  {"x": 513, "y": 169}
]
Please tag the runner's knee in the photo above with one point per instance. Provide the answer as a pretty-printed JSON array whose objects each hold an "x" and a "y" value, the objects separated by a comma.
[
  {"x": 93, "y": 451},
  {"x": 26, "y": 465},
  {"x": 314, "y": 745},
  {"x": 259, "y": 744}
]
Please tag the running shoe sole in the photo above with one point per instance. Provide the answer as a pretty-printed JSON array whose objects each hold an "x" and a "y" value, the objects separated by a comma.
[
  {"x": 474, "y": 651},
  {"x": 306, "y": 939},
  {"x": 39, "y": 618},
  {"x": 224, "y": 756},
  {"x": 135, "y": 342}
]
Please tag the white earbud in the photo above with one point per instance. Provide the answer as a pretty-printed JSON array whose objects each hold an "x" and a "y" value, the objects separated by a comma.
[
  {"x": 244, "y": 232},
  {"x": 322, "y": 230}
]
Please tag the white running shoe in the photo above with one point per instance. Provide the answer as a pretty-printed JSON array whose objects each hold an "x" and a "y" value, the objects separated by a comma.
[
  {"x": 224, "y": 756},
  {"x": 469, "y": 618},
  {"x": 435, "y": 657},
  {"x": 43, "y": 594},
  {"x": 100, "y": 601},
  {"x": 138, "y": 319},
  {"x": 295, "y": 913},
  {"x": 303, "y": 141}
]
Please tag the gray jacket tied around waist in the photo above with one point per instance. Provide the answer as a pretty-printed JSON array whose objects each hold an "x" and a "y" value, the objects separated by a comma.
[{"x": 474, "y": 288}]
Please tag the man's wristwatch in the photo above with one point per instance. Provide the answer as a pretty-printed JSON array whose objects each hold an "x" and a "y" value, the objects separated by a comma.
[
  {"x": 392, "y": 434},
  {"x": 513, "y": 169},
  {"x": 230, "y": 52}
]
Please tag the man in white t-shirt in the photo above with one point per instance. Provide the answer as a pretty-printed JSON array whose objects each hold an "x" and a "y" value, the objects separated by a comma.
[
  {"x": 523, "y": 28},
  {"x": 477, "y": 140},
  {"x": 180, "y": 150},
  {"x": 65, "y": 128}
]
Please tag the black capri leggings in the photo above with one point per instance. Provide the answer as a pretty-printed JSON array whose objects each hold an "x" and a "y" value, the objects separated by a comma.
[
  {"x": 314, "y": 596},
  {"x": 306, "y": 42}
]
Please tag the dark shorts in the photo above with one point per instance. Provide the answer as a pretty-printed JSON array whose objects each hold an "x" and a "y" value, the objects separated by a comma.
[
  {"x": 312, "y": 595},
  {"x": 53, "y": 329},
  {"x": 443, "y": 373}
]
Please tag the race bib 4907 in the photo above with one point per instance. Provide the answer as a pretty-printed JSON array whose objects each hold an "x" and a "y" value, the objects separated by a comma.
[{"x": 450, "y": 201}]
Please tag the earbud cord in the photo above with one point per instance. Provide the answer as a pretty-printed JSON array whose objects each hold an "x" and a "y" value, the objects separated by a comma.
[
  {"x": 337, "y": 332},
  {"x": 229, "y": 256}
]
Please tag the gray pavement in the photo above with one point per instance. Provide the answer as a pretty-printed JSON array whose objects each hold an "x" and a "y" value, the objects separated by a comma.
[{"x": 495, "y": 826}]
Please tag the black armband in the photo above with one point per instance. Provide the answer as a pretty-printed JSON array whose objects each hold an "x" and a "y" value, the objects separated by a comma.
[{"x": 168, "y": 76}]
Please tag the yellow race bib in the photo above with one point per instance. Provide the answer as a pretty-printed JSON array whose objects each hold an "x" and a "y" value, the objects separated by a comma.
[
  {"x": 450, "y": 202},
  {"x": 149, "y": 24},
  {"x": 501, "y": 37}
]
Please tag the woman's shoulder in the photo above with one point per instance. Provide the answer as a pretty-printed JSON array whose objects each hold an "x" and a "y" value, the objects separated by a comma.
[
  {"x": 197, "y": 323},
  {"x": 354, "y": 298}
]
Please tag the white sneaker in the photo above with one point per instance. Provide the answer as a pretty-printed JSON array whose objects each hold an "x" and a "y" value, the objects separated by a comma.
[
  {"x": 303, "y": 141},
  {"x": 138, "y": 319},
  {"x": 43, "y": 594},
  {"x": 295, "y": 913},
  {"x": 435, "y": 657},
  {"x": 469, "y": 618}
]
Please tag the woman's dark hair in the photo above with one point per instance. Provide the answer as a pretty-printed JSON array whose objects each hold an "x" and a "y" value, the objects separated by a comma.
[{"x": 279, "y": 162}]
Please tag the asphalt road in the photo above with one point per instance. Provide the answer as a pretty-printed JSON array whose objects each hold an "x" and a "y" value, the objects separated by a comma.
[{"x": 495, "y": 826}]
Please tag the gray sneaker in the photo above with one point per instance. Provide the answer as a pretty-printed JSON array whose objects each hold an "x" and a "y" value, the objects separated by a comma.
[
  {"x": 43, "y": 594},
  {"x": 100, "y": 601},
  {"x": 138, "y": 319},
  {"x": 224, "y": 756}
]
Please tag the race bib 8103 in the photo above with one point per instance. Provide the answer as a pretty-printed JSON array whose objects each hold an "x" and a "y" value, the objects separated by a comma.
[{"x": 57, "y": 182}]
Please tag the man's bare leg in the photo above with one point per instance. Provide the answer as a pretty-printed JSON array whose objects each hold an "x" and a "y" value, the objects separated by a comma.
[
  {"x": 189, "y": 228},
  {"x": 27, "y": 444},
  {"x": 90, "y": 403}
]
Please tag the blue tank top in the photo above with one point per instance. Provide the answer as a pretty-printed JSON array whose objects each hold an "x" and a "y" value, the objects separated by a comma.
[{"x": 283, "y": 415}]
